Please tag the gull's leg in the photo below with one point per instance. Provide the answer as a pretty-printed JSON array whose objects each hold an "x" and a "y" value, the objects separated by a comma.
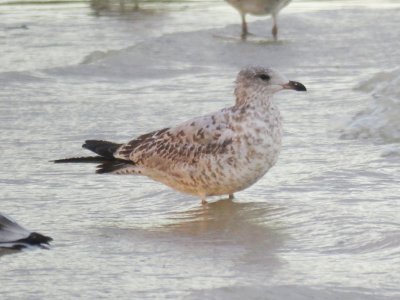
[
  {"x": 121, "y": 5},
  {"x": 231, "y": 196},
  {"x": 274, "y": 28},
  {"x": 203, "y": 200},
  {"x": 136, "y": 7},
  {"x": 244, "y": 26}
]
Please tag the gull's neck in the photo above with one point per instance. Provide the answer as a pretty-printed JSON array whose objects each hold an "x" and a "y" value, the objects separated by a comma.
[{"x": 254, "y": 97}]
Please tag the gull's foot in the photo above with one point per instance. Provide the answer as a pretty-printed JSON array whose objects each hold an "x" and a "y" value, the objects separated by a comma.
[
  {"x": 231, "y": 197},
  {"x": 204, "y": 201},
  {"x": 244, "y": 36}
]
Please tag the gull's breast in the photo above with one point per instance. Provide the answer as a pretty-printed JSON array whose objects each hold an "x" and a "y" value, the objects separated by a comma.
[{"x": 254, "y": 150}]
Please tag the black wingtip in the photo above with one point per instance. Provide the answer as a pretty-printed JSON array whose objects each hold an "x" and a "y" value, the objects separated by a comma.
[{"x": 102, "y": 148}]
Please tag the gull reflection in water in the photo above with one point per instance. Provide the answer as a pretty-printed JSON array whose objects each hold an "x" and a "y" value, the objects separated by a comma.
[
  {"x": 234, "y": 236},
  {"x": 249, "y": 225}
]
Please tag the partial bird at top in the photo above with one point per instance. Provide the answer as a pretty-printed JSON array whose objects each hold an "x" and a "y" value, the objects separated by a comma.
[
  {"x": 215, "y": 154},
  {"x": 259, "y": 8}
]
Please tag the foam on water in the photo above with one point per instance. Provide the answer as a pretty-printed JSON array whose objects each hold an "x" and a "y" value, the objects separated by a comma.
[{"x": 380, "y": 119}]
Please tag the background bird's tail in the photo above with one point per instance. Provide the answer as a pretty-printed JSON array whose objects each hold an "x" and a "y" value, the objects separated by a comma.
[{"x": 14, "y": 236}]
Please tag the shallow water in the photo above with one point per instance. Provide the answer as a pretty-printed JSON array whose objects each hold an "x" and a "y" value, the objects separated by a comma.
[{"x": 323, "y": 223}]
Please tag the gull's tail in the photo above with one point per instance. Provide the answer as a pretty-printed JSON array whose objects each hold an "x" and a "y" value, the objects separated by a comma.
[
  {"x": 107, "y": 162},
  {"x": 84, "y": 159}
]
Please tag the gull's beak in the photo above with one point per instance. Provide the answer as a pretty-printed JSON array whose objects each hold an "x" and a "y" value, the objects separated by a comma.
[{"x": 294, "y": 85}]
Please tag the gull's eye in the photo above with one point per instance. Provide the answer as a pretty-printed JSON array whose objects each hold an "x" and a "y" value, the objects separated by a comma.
[{"x": 264, "y": 77}]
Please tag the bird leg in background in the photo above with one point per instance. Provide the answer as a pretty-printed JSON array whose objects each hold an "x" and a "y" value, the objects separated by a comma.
[
  {"x": 203, "y": 201},
  {"x": 231, "y": 196},
  {"x": 274, "y": 28},
  {"x": 244, "y": 26},
  {"x": 122, "y": 5}
]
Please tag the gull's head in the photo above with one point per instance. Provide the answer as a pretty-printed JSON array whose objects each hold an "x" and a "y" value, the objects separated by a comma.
[{"x": 259, "y": 81}]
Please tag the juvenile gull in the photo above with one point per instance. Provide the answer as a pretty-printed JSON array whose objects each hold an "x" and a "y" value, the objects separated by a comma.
[
  {"x": 14, "y": 236},
  {"x": 215, "y": 154},
  {"x": 259, "y": 8}
]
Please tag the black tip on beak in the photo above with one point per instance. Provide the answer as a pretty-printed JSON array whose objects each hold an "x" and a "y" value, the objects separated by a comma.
[{"x": 294, "y": 85}]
